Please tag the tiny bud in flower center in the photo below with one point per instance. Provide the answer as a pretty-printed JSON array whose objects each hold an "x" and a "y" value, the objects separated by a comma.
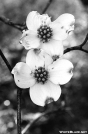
[
  {"x": 44, "y": 33},
  {"x": 41, "y": 75}
]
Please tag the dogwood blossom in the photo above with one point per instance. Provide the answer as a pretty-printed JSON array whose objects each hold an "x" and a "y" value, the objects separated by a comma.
[
  {"x": 43, "y": 76},
  {"x": 42, "y": 33}
]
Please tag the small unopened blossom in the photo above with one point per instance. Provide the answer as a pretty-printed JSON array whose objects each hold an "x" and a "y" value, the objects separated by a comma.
[{"x": 42, "y": 76}]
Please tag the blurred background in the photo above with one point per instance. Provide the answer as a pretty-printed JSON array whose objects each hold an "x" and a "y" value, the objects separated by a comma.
[{"x": 71, "y": 110}]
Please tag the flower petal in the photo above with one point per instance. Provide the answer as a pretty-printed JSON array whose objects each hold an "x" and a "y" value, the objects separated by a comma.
[
  {"x": 59, "y": 33},
  {"x": 65, "y": 19},
  {"x": 23, "y": 76},
  {"x": 60, "y": 71},
  {"x": 33, "y": 21},
  {"x": 29, "y": 40},
  {"x": 53, "y": 47},
  {"x": 46, "y": 58},
  {"x": 45, "y": 19},
  {"x": 39, "y": 93},
  {"x": 62, "y": 26},
  {"x": 38, "y": 58}
]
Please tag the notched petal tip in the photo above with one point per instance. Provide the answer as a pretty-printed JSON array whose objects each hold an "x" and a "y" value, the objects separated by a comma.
[
  {"x": 22, "y": 39},
  {"x": 71, "y": 70},
  {"x": 15, "y": 69},
  {"x": 12, "y": 72},
  {"x": 49, "y": 100},
  {"x": 42, "y": 94},
  {"x": 63, "y": 26},
  {"x": 55, "y": 57},
  {"x": 30, "y": 40},
  {"x": 25, "y": 33},
  {"x": 37, "y": 51}
]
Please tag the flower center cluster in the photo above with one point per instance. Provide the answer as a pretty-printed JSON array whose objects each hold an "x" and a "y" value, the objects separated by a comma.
[
  {"x": 44, "y": 33},
  {"x": 41, "y": 75}
]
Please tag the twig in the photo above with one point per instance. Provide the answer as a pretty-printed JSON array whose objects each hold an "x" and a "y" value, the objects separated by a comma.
[
  {"x": 59, "y": 110},
  {"x": 84, "y": 42},
  {"x": 19, "y": 92},
  {"x": 80, "y": 47},
  {"x": 35, "y": 120},
  {"x": 20, "y": 27},
  {"x": 5, "y": 60},
  {"x": 25, "y": 129},
  {"x": 45, "y": 114},
  {"x": 10, "y": 23},
  {"x": 47, "y": 6}
]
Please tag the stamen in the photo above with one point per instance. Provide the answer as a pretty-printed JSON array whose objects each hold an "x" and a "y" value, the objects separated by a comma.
[
  {"x": 41, "y": 75},
  {"x": 44, "y": 33}
]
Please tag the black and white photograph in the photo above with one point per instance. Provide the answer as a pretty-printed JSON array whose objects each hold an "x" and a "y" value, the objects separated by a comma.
[{"x": 43, "y": 66}]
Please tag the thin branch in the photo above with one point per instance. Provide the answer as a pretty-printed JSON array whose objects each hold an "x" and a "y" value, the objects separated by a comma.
[
  {"x": 47, "y": 6},
  {"x": 80, "y": 47},
  {"x": 45, "y": 114},
  {"x": 5, "y": 60},
  {"x": 35, "y": 120},
  {"x": 75, "y": 48},
  {"x": 10, "y": 23},
  {"x": 19, "y": 92},
  {"x": 84, "y": 42},
  {"x": 20, "y": 27},
  {"x": 25, "y": 129}
]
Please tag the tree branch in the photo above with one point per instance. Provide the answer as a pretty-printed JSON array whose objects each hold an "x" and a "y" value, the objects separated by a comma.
[
  {"x": 80, "y": 47},
  {"x": 85, "y": 41},
  {"x": 10, "y": 23},
  {"x": 47, "y": 6},
  {"x": 19, "y": 92},
  {"x": 5, "y": 60},
  {"x": 18, "y": 26},
  {"x": 32, "y": 123}
]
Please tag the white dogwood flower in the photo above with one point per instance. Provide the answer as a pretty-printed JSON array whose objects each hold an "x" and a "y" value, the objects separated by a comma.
[
  {"x": 42, "y": 33},
  {"x": 43, "y": 76}
]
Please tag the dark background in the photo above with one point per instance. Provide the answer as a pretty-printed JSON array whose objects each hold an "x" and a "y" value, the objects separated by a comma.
[{"x": 70, "y": 112}]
